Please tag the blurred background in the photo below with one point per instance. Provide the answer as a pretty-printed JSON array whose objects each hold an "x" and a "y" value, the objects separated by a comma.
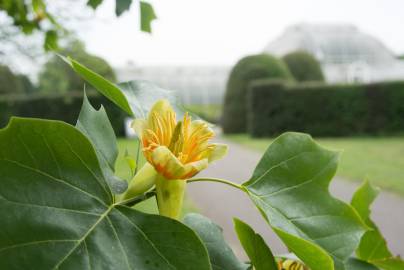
[{"x": 334, "y": 69}]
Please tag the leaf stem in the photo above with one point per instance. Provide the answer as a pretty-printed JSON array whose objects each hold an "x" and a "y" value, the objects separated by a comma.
[
  {"x": 217, "y": 180},
  {"x": 138, "y": 199}
]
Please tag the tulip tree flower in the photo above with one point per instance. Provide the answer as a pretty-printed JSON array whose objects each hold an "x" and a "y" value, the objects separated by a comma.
[{"x": 175, "y": 151}]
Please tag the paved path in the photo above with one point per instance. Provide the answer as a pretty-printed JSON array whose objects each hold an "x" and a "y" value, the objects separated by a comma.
[{"x": 221, "y": 203}]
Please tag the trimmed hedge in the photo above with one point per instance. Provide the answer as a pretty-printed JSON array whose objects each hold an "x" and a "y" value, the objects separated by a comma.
[
  {"x": 303, "y": 66},
  {"x": 325, "y": 110},
  {"x": 245, "y": 71},
  {"x": 58, "y": 107}
]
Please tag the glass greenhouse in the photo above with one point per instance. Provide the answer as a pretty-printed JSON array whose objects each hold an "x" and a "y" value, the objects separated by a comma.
[{"x": 345, "y": 53}]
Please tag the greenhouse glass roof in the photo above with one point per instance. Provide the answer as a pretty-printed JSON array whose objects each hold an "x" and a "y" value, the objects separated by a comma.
[{"x": 332, "y": 44}]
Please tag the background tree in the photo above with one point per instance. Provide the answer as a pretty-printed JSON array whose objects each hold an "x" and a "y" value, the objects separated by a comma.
[
  {"x": 31, "y": 16},
  {"x": 26, "y": 84},
  {"x": 56, "y": 76},
  {"x": 9, "y": 82},
  {"x": 28, "y": 27}
]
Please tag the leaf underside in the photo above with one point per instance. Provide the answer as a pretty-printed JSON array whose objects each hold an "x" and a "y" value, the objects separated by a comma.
[
  {"x": 290, "y": 188},
  {"x": 221, "y": 255},
  {"x": 141, "y": 96},
  {"x": 57, "y": 211}
]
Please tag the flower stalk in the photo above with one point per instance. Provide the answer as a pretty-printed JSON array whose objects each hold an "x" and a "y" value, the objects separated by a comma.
[{"x": 170, "y": 196}]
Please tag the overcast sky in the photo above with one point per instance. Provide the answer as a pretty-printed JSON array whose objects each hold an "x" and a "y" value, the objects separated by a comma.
[{"x": 219, "y": 32}]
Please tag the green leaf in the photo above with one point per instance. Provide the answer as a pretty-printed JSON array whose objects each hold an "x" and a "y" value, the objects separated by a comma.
[
  {"x": 257, "y": 250},
  {"x": 94, "y": 3},
  {"x": 57, "y": 212},
  {"x": 147, "y": 15},
  {"x": 38, "y": 6},
  {"x": 394, "y": 263},
  {"x": 373, "y": 247},
  {"x": 121, "y": 6},
  {"x": 105, "y": 87},
  {"x": 134, "y": 97},
  {"x": 355, "y": 264},
  {"x": 290, "y": 188},
  {"x": 51, "y": 40},
  {"x": 97, "y": 127},
  {"x": 221, "y": 255}
]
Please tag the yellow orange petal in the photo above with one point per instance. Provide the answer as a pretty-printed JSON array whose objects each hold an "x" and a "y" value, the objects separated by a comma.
[
  {"x": 217, "y": 151},
  {"x": 193, "y": 168},
  {"x": 139, "y": 125},
  {"x": 162, "y": 108},
  {"x": 166, "y": 163},
  {"x": 201, "y": 128}
]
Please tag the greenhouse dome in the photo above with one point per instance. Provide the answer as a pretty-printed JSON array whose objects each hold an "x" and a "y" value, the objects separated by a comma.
[{"x": 345, "y": 53}]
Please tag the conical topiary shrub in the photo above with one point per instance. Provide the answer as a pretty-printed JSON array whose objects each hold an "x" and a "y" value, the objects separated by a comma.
[
  {"x": 303, "y": 66},
  {"x": 249, "y": 68}
]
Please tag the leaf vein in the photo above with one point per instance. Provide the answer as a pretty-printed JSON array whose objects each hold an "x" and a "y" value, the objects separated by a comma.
[
  {"x": 52, "y": 154},
  {"x": 147, "y": 239},
  {"x": 83, "y": 238},
  {"x": 54, "y": 178},
  {"x": 36, "y": 243},
  {"x": 120, "y": 243},
  {"x": 91, "y": 171},
  {"x": 47, "y": 206},
  {"x": 277, "y": 165}
]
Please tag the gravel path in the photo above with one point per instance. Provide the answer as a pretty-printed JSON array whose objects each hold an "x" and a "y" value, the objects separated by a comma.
[{"x": 221, "y": 203}]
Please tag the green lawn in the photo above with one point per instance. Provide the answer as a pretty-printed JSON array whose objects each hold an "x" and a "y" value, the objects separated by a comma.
[
  {"x": 381, "y": 160},
  {"x": 123, "y": 170}
]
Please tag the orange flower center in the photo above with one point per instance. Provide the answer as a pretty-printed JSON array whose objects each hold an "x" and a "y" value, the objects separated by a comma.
[{"x": 187, "y": 140}]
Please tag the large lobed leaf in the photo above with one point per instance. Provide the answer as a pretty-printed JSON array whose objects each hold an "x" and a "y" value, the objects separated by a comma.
[
  {"x": 57, "y": 211},
  {"x": 290, "y": 188},
  {"x": 373, "y": 247}
]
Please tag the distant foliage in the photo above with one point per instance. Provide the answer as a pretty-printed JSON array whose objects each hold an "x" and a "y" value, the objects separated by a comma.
[
  {"x": 326, "y": 110},
  {"x": 27, "y": 85},
  {"x": 57, "y": 77},
  {"x": 64, "y": 107},
  {"x": 303, "y": 66},
  {"x": 11, "y": 83},
  {"x": 243, "y": 73}
]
